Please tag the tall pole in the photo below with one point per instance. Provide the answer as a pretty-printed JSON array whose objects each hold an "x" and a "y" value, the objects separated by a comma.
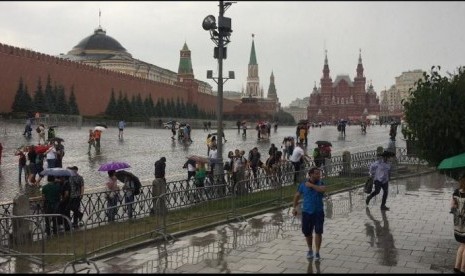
[{"x": 219, "y": 164}]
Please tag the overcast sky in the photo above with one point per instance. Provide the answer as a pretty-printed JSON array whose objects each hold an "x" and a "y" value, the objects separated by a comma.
[{"x": 290, "y": 37}]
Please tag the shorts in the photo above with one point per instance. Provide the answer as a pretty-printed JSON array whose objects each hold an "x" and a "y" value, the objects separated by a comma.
[{"x": 312, "y": 222}]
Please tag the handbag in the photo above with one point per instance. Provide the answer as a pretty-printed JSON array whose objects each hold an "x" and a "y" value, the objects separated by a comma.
[{"x": 368, "y": 185}]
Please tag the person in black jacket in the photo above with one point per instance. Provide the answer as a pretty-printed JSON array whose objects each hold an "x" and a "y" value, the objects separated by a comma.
[{"x": 159, "y": 188}]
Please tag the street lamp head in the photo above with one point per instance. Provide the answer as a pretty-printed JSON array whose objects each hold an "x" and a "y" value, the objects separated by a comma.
[{"x": 209, "y": 23}]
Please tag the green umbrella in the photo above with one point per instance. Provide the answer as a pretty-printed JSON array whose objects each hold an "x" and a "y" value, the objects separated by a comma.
[{"x": 453, "y": 162}]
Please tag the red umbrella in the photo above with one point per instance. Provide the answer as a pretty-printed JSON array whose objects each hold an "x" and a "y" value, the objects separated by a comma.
[{"x": 41, "y": 148}]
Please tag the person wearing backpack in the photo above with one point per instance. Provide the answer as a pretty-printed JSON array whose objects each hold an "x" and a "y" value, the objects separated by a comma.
[
  {"x": 76, "y": 183},
  {"x": 129, "y": 190}
]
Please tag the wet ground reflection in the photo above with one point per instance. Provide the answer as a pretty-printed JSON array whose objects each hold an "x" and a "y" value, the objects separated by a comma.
[
  {"x": 142, "y": 147},
  {"x": 381, "y": 237},
  {"x": 212, "y": 247},
  {"x": 415, "y": 236}
]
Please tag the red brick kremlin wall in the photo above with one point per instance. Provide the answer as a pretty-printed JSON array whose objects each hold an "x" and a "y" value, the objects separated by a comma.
[{"x": 92, "y": 85}]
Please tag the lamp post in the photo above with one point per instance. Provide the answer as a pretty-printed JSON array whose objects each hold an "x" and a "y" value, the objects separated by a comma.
[{"x": 220, "y": 36}]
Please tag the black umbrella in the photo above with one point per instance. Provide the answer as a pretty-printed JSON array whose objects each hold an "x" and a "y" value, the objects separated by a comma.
[
  {"x": 58, "y": 139},
  {"x": 122, "y": 175},
  {"x": 323, "y": 143}
]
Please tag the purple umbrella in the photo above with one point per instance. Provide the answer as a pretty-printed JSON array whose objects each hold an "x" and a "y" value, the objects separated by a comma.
[{"x": 113, "y": 166}]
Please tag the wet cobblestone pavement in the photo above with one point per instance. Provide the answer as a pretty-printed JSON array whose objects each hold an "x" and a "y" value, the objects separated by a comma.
[
  {"x": 415, "y": 236},
  {"x": 141, "y": 147}
]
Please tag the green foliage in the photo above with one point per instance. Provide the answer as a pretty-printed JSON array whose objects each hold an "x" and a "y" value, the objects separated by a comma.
[
  {"x": 49, "y": 99},
  {"x": 435, "y": 114},
  {"x": 73, "y": 108},
  {"x": 284, "y": 118},
  {"x": 112, "y": 106},
  {"x": 39, "y": 98},
  {"x": 52, "y": 100}
]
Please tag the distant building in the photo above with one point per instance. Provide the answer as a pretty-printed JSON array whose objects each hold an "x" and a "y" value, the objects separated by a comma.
[
  {"x": 343, "y": 98},
  {"x": 391, "y": 99},
  {"x": 99, "y": 65},
  {"x": 300, "y": 103},
  {"x": 390, "y": 107},
  {"x": 254, "y": 106},
  {"x": 406, "y": 81},
  {"x": 103, "y": 51}
]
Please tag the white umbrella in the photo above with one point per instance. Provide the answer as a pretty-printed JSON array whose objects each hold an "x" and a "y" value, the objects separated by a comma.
[{"x": 101, "y": 128}]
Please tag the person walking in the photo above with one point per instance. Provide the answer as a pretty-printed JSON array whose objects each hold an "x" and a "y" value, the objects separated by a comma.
[
  {"x": 21, "y": 164},
  {"x": 128, "y": 189},
  {"x": 76, "y": 183},
  {"x": 297, "y": 160},
  {"x": 112, "y": 195},
  {"x": 121, "y": 125},
  {"x": 51, "y": 199},
  {"x": 91, "y": 140},
  {"x": 458, "y": 209},
  {"x": 41, "y": 133},
  {"x": 190, "y": 166},
  {"x": 312, "y": 191},
  {"x": 51, "y": 157},
  {"x": 97, "y": 136},
  {"x": 1, "y": 151},
  {"x": 380, "y": 170},
  {"x": 159, "y": 187},
  {"x": 60, "y": 153}
]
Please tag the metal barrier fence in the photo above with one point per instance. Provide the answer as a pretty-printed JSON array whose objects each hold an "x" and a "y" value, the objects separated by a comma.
[
  {"x": 40, "y": 239},
  {"x": 182, "y": 207}
]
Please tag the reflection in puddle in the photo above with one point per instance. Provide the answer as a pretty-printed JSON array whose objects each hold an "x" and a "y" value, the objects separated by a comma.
[
  {"x": 213, "y": 248},
  {"x": 19, "y": 265}
]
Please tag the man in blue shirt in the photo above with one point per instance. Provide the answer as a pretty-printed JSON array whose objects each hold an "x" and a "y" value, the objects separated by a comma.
[
  {"x": 312, "y": 210},
  {"x": 380, "y": 170}
]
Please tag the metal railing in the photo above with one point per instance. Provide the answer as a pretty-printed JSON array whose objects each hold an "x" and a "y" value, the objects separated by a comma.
[{"x": 183, "y": 207}]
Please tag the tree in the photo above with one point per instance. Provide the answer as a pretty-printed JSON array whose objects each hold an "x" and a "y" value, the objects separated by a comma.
[
  {"x": 49, "y": 97},
  {"x": 39, "y": 97},
  {"x": 27, "y": 99},
  {"x": 61, "y": 106},
  {"x": 112, "y": 105},
  {"x": 435, "y": 114},
  {"x": 149, "y": 106},
  {"x": 72, "y": 104},
  {"x": 18, "y": 102}
]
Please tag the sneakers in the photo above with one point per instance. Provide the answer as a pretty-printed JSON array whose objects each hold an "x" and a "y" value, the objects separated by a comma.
[
  {"x": 310, "y": 254},
  {"x": 384, "y": 208},
  {"x": 317, "y": 257}
]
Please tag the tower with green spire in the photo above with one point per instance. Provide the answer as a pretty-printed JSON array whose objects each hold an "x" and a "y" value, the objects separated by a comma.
[
  {"x": 253, "y": 81},
  {"x": 272, "y": 95},
  {"x": 185, "y": 71}
]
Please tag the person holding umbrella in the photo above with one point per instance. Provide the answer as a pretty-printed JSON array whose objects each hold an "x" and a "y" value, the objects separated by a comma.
[
  {"x": 51, "y": 199},
  {"x": 97, "y": 136},
  {"x": 112, "y": 195},
  {"x": 91, "y": 140},
  {"x": 128, "y": 189}
]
